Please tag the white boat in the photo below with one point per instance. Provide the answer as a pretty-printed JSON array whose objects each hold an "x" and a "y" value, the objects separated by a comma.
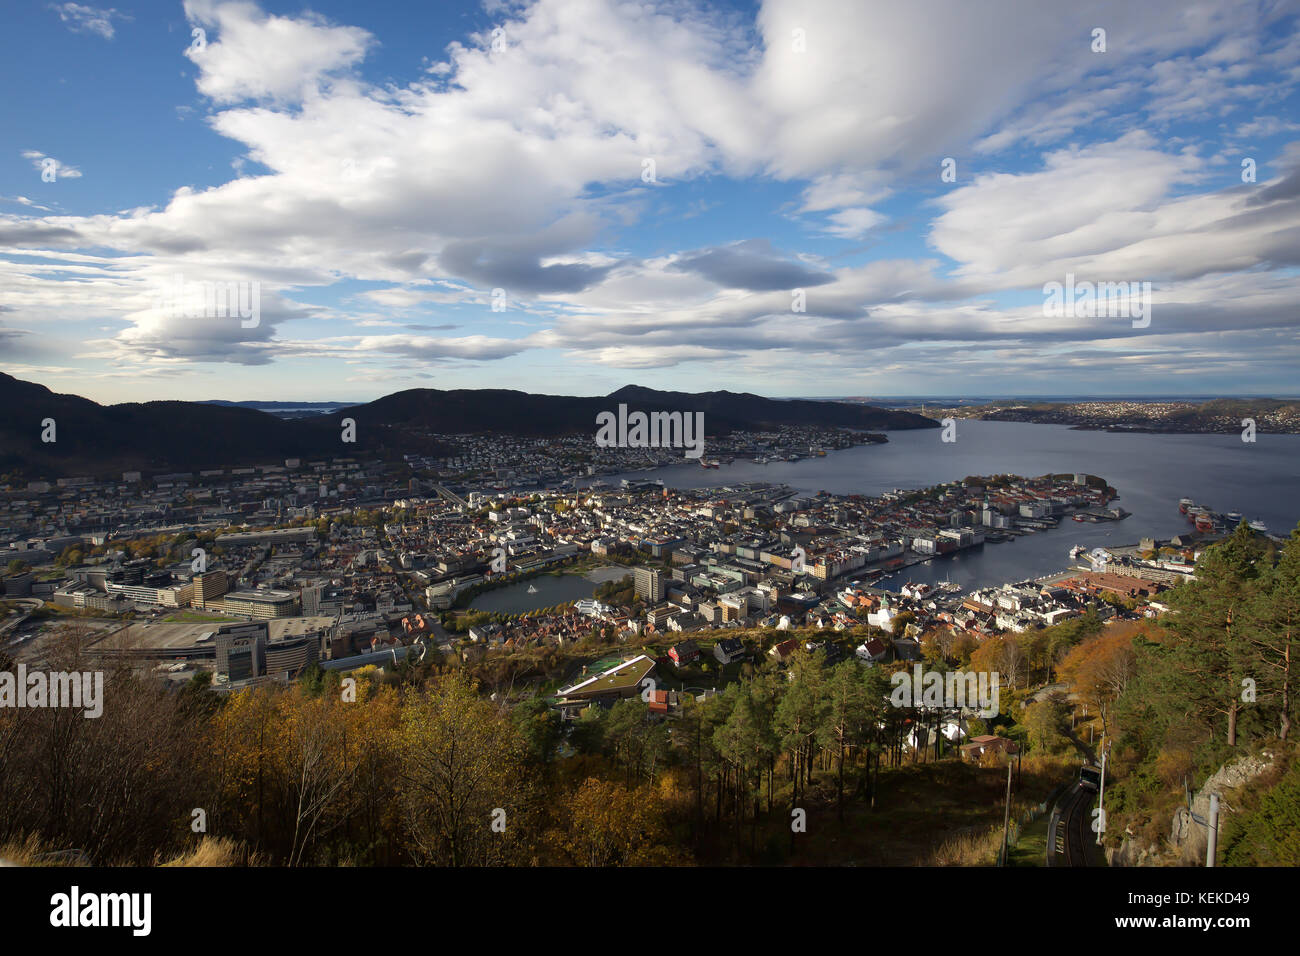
[
  {"x": 1259, "y": 526},
  {"x": 532, "y": 589}
]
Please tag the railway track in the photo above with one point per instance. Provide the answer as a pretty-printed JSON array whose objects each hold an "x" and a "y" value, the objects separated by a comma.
[{"x": 1072, "y": 836}]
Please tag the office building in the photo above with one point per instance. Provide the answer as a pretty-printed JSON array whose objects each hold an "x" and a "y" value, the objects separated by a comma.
[
  {"x": 649, "y": 583},
  {"x": 209, "y": 586},
  {"x": 257, "y": 605},
  {"x": 286, "y": 658},
  {"x": 241, "y": 650}
]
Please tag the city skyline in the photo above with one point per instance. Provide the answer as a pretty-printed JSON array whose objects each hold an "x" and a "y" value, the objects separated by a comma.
[{"x": 566, "y": 198}]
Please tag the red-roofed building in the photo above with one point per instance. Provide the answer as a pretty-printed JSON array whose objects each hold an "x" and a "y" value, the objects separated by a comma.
[{"x": 783, "y": 650}]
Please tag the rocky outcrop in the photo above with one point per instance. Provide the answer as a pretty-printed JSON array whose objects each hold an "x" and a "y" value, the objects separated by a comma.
[
  {"x": 1132, "y": 853},
  {"x": 1187, "y": 837}
]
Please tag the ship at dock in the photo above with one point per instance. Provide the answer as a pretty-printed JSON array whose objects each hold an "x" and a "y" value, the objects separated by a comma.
[{"x": 1208, "y": 521}]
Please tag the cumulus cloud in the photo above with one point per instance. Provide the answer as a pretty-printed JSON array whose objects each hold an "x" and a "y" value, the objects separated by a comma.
[
  {"x": 1123, "y": 222},
  {"x": 258, "y": 56},
  {"x": 519, "y": 167}
]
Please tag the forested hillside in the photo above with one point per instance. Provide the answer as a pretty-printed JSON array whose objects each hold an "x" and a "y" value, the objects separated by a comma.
[
  {"x": 443, "y": 763},
  {"x": 1215, "y": 682}
]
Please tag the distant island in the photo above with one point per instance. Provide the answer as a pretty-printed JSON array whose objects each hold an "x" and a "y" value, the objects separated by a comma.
[{"x": 1216, "y": 416}]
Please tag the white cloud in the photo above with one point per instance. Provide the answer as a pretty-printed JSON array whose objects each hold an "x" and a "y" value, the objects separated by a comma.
[
  {"x": 80, "y": 18},
  {"x": 256, "y": 56},
  {"x": 1262, "y": 126},
  {"x": 854, "y": 223},
  {"x": 514, "y": 169},
  {"x": 1004, "y": 222},
  {"x": 25, "y": 201}
]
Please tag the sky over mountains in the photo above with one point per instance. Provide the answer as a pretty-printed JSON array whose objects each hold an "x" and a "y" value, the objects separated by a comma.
[{"x": 567, "y": 196}]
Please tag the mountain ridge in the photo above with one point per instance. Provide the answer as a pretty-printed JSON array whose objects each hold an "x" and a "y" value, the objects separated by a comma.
[{"x": 161, "y": 436}]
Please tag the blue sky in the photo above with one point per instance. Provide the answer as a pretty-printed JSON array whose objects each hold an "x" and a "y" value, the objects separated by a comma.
[{"x": 383, "y": 173}]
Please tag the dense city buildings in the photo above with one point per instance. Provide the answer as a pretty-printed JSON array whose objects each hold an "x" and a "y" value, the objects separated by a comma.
[{"x": 340, "y": 561}]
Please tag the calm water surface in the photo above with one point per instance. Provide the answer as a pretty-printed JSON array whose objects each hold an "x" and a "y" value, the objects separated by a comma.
[{"x": 549, "y": 591}]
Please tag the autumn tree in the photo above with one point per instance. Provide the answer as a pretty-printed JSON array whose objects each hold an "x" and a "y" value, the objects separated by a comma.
[
  {"x": 241, "y": 761},
  {"x": 461, "y": 772},
  {"x": 1099, "y": 670},
  {"x": 999, "y": 655},
  {"x": 963, "y": 646},
  {"x": 118, "y": 786},
  {"x": 1045, "y": 722},
  {"x": 371, "y": 739},
  {"x": 608, "y": 824},
  {"x": 310, "y": 750}
]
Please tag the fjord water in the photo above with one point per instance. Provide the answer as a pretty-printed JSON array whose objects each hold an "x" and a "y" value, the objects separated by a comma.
[{"x": 1150, "y": 471}]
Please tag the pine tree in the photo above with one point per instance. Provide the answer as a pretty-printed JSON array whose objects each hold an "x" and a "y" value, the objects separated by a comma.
[
  {"x": 1209, "y": 652},
  {"x": 1274, "y": 632},
  {"x": 844, "y": 724}
]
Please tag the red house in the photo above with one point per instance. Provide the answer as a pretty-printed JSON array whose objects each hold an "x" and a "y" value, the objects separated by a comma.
[{"x": 684, "y": 653}]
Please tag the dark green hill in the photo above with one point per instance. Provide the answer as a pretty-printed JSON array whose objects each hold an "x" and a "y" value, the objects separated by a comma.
[{"x": 95, "y": 439}]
